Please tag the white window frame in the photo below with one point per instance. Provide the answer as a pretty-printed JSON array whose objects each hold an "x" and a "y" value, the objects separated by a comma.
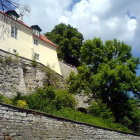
[
  {"x": 14, "y": 17},
  {"x": 14, "y": 32},
  {"x": 36, "y": 32},
  {"x": 35, "y": 41}
]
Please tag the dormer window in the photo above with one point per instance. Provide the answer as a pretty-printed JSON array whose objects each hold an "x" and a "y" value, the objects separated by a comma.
[
  {"x": 36, "y": 30},
  {"x": 14, "y": 17},
  {"x": 13, "y": 14}
]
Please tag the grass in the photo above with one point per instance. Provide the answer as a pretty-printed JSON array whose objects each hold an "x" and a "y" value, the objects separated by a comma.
[{"x": 89, "y": 119}]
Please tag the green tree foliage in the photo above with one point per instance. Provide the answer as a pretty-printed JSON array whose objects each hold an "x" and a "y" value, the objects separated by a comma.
[
  {"x": 108, "y": 71},
  {"x": 69, "y": 41},
  {"x": 132, "y": 115}
]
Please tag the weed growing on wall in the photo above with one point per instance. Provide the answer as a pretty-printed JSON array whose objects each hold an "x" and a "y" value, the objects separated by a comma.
[
  {"x": 17, "y": 57},
  {"x": 8, "y": 59},
  {"x": 52, "y": 78},
  {"x": 34, "y": 62}
]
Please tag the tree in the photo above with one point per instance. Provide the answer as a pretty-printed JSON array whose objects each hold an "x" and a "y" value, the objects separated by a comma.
[
  {"x": 108, "y": 71},
  {"x": 69, "y": 41},
  {"x": 112, "y": 67},
  {"x": 6, "y": 5}
]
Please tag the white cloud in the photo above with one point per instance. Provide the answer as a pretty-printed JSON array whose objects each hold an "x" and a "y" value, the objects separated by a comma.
[
  {"x": 107, "y": 19},
  {"x": 46, "y": 13}
]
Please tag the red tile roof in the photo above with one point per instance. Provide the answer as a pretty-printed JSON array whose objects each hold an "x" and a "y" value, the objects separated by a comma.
[
  {"x": 46, "y": 40},
  {"x": 41, "y": 37}
]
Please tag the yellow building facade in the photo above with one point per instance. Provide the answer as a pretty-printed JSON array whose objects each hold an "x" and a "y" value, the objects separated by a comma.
[{"x": 17, "y": 37}]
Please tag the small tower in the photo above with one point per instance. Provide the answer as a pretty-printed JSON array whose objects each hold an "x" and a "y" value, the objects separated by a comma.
[
  {"x": 36, "y": 30},
  {"x": 13, "y": 14}
]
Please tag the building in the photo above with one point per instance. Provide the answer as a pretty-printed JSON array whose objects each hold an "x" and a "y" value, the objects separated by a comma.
[{"x": 17, "y": 37}]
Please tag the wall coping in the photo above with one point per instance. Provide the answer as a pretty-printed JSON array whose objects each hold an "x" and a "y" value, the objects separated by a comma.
[{"x": 30, "y": 111}]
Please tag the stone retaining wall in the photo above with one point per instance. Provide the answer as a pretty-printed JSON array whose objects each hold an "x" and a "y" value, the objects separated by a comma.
[
  {"x": 18, "y": 74},
  {"x": 23, "y": 124},
  {"x": 66, "y": 69}
]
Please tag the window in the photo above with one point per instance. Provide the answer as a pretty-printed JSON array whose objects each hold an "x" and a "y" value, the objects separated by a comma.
[
  {"x": 35, "y": 42},
  {"x": 14, "y": 32},
  {"x": 36, "y": 56},
  {"x": 14, "y": 17},
  {"x": 36, "y": 32}
]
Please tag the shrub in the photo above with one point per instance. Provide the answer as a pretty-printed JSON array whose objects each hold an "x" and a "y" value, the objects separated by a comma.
[
  {"x": 42, "y": 99},
  {"x": 1, "y": 96},
  {"x": 99, "y": 109},
  {"x": 6, "y": 100},
  {"x": 64, "y": 99},
  {"x": 22, "y": 103},
  {"x": 48, "y": 99},
  {"x": 46, "y": 93},
  {"x": 133, "y": 115},
  {"x": 18, "y": 97}
]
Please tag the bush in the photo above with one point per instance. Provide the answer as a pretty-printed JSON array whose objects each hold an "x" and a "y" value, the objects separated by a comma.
[
  {"x": 6, "y": 100},
  {"x": 64, "y": 99},
  {"x": 99, "y": 109},
  {"x": 1, "y": 96},
  {"x": 42, "y": 99},
  {"x": 35, "y": 101},
  {"x": 22, "y": 103},
  {"x": 46, "y": 93},
  {"x": 133, "y": 114},
  {"x": 48, "y": 99},
  {"x": 18, "y": 97}
]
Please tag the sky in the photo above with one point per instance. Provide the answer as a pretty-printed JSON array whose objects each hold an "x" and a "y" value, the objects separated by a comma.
[{"x": 107, "y": 19}]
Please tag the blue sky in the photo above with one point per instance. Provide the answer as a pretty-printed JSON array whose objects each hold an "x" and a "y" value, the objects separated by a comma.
[
  {"x": 73, "y": 4},
  {"x": 7, "y": 4},
  {"x": 107, "y": 19}
]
